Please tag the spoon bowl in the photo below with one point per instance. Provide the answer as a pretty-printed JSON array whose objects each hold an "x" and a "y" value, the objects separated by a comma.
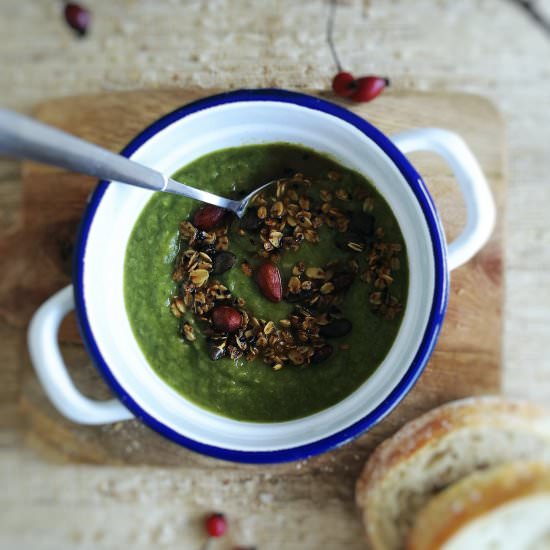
[{"x": 238, "y": 207}]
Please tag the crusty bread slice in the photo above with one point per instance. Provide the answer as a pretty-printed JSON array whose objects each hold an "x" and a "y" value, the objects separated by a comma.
[
  {"x": 429, "y": 453},
  {"x": 505, "y": 507}
]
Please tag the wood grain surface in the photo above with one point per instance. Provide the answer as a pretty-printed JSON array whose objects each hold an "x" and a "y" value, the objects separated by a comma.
[{"x": 466, "y": 361}]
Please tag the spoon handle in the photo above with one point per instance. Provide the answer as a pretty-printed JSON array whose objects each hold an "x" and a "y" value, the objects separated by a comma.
[{"x": 23, "y": 137}]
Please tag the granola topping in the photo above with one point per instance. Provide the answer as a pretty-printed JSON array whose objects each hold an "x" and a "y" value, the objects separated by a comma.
[{"x": 282, "y": 219}]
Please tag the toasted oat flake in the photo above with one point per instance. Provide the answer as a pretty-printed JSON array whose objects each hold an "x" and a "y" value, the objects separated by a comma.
[
  {"x": 175, "y": 310},
  {"x": 191, "y": 258},
  {"x": 246, "y": 269},
  {"x": 275, "y": 238},
  {"x": 315, "y": 273},
  {"x": 277, "y": 210},
  {"x": 375, "y": 298},
  {"x": 187, "y": 229},
  {"x": 342, "y": 194},
  {"x": 255, "y": 323},
  {"x": 222, "y": 243},
  {"x": 322, "y": 319},
  {"x": 198, "y": 276},
  {"x": 311, "y": 236},
  {"x": 304, "y": 220},
  {"x": 327, "y": 288},
  {"x": 383, "y": 281},
  {"x": 304, "y": 203},
  {"x": 326, "y": 195},
  {"x": 356, "y": 247},
  {"x": 188, "y": 332},
  {"x": 296, "y": 357},
  {"x": 298, "y": 268},
  {"x": 354, "y": 266},
  {"x": 342, "y": 225},
  {"x": 178, "y": 301},
  {"x": 292, "y": 195},
  {"x": 241, "y": 342},
  {"x": 179, "y": 274},
  {"x": 209, "y": 238},
  {"x": 294, "y": 285},
  {"x": 292, "y": 221},
  {"x": 368, "y": 205}
]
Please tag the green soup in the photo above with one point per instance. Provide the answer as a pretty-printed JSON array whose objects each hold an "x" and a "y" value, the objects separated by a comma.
[{"x": 252, "y": 390}]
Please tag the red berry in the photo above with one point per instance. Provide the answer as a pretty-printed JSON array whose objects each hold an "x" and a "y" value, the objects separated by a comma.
[
  {"x": 209, "y": 217},
  {"x": 369, "y": 87},
  {"x": 78, "y": 17},
  {"x": 344, "y": 84},
  {"x": 216, "y": 525},
  {"x": 226, "y": 318}
]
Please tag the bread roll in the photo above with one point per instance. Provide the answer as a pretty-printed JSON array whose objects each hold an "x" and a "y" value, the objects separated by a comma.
[
  {"x": 505, "y": 507},
  {"x": 438, "y": 448}
]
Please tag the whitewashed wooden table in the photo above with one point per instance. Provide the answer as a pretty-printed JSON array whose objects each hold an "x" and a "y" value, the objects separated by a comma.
[{"x": 489, "y": 47}]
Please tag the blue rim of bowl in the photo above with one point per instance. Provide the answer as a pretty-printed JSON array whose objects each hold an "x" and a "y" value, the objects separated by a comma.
[{"x": 431, "y": 333}]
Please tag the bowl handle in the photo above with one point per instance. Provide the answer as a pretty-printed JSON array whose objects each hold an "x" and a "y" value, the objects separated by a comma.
[
  {"x": 479, "y": 201},
  {"x": 52, "y": 372}
]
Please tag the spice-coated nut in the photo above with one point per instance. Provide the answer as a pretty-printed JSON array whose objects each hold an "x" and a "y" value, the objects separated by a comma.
[
  {"x": 268, "y": 279},
  {"x": 209, "y": 217},
  {"x": 226, "y": 318}
]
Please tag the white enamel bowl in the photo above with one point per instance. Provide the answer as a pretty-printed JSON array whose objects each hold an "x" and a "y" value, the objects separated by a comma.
[{"x": 242, "y": 118}]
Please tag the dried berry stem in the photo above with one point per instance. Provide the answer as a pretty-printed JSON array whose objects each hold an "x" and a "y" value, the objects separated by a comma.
[{"x": 330, "y": 32}]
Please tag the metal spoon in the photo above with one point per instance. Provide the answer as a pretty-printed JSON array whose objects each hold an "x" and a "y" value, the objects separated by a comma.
[{"x": 23, "y": 137}]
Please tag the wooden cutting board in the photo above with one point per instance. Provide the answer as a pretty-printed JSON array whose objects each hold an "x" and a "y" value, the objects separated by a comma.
[{"x": 467, "y": 358}]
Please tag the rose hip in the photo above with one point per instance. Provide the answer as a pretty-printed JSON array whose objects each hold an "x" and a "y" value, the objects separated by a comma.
[
  {"x": 215, "y": 524},
  {"x": 369, "y": 87},
  {"x": 344, "y": 84},
  {"x": 361, "y": 89},
  {"x": 77, "y": 17}
]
